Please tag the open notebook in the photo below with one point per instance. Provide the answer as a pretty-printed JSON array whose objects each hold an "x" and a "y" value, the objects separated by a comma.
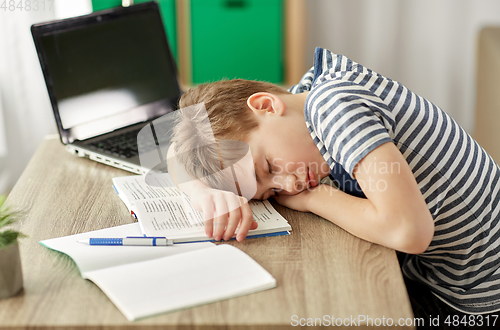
[
  {"x": 143, "y": 281},
  {"x": 163, "y": 210}
]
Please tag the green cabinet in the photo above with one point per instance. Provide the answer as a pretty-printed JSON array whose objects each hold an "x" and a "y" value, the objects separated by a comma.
[
  {"x": 237, "y": 39},
  {"x": 167, "y": 10}
]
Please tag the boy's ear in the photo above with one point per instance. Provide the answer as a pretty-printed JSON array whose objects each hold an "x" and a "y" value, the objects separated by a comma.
[{"x": 266, "y": 103}]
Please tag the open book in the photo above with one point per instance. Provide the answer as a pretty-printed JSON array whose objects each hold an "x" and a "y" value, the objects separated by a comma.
[
  {"x": 163, "y": 210},
  {"x": 147, "y": 280}
]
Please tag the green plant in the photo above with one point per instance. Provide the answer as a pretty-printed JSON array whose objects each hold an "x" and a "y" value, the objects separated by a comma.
[{"x": 8, "y": 217}]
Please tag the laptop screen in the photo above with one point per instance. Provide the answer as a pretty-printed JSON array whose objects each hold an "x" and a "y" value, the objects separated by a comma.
[{"x": 107, "y": 71}]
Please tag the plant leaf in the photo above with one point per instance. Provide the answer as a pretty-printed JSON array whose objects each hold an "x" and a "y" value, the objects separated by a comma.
[
  {"x": 8, "y": 237},
  {"x": 8, "y": 217}
]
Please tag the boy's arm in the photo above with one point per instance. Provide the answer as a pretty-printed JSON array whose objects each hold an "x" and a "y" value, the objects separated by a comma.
[
  {"x": 394, "y": 214},
  {"x": 222, "y": 211}
]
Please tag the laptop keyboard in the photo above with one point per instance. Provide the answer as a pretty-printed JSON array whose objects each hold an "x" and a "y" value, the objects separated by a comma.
[{"x": 124, "y": 145}]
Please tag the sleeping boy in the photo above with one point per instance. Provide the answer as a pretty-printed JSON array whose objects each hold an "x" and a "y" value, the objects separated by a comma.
[{"x": 408, "y": 176}]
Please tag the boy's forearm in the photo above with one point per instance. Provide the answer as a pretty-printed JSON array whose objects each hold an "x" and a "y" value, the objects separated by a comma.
[{"x": 360, "y": 217}]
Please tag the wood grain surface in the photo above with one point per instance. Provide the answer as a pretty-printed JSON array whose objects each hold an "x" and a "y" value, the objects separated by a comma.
[{"x": 320, "y": 268}]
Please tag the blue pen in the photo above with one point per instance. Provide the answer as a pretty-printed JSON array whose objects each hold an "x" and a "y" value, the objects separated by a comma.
[{"x": 140, "y": 241}]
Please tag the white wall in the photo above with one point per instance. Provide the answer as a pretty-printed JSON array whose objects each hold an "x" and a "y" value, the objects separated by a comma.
[
  {"x": 428, "y": 45},
  {"x": 25, "y": 111}
]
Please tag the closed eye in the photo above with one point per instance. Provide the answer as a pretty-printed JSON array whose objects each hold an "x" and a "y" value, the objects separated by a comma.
[{"x": 270, "y": 169}]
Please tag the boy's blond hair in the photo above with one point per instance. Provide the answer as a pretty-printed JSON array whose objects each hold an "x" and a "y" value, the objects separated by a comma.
[{"x": 230, "y": 119}]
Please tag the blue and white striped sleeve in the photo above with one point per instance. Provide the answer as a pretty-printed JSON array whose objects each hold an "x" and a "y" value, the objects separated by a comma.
[
  {"x": 304, "y": 83},
  {"x": 348, "y": 119}
]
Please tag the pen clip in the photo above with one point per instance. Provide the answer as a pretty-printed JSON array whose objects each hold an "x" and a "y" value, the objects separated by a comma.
[{"x": 168, "y": 241}]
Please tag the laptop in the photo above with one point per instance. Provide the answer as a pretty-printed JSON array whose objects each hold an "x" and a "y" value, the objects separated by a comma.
[{"x": 108, "y": 74}]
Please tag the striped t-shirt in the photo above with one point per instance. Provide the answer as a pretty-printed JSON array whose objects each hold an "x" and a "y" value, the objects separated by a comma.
[{"x": 352, "y": 110}]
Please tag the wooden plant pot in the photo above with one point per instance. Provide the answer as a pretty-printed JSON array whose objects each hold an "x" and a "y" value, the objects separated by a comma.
[{"x": 11, "y": 276}]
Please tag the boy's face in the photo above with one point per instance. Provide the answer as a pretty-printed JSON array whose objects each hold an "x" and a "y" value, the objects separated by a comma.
[{"x": 285, "y": 157}]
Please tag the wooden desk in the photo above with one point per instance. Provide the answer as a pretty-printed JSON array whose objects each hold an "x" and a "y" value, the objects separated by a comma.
[{"x": 320, "y": 269}]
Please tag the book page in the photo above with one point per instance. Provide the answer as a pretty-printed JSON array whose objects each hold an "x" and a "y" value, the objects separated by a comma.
[
  {"x": 181, "y": 281},
  {"x": 134, "y": 188},
  {"x": 167, "y": 215},
  {"x": 135, "y": 193},
  {"x": 265, "y": 214},
  {"x": 89, "y": 258}
]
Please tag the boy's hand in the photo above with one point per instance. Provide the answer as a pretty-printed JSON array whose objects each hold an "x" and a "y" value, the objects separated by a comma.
[
  {"x": 298, "y": 202},
  {"x": 223, "y": 212}
]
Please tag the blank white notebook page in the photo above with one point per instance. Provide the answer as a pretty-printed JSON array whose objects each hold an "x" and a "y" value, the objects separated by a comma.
[{"x": 181, "y": 281}]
